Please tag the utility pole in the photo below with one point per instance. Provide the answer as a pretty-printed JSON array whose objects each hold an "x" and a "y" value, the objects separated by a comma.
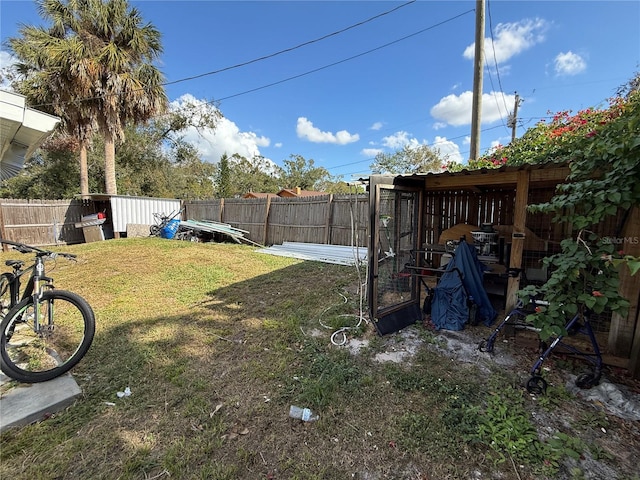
[
  {"x": 514, "y": 117},
  {"x": 478, "y": 66}
]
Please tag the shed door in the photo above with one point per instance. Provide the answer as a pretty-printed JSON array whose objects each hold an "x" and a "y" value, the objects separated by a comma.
[{"x": 394, "y": 298}]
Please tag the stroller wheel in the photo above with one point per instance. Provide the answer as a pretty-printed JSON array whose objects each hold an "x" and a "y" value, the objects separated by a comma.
[
  {"x": 587, "y": 380},
  {"x": 484, "y": 346},
  {"x": 537, "y": 385}
]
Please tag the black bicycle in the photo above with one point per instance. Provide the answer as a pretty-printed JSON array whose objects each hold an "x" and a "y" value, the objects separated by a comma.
[{"x": 44, "y": 331}]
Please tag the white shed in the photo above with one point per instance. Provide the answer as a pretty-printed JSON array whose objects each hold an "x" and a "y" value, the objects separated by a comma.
[{"x": 124, "y": 210}]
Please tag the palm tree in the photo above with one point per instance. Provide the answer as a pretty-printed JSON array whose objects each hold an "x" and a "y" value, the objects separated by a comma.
[
  {"x": 128, "y": 87},
  {"x": 54, "y": 73},
  {"x": 94, "y": 67}
]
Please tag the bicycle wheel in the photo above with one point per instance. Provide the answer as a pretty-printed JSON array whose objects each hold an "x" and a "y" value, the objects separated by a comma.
[
  {"x": 33, "y": 351},
  {"x": 5, "y": 293}
]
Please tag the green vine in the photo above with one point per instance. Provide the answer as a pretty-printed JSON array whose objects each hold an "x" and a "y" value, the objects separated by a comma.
[
  {"x": 601, "y": 146},
  {"x": 602, "y": 149}
]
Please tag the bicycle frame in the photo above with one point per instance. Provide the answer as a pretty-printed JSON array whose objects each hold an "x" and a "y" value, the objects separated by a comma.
[{"x": 36, "y": 284}]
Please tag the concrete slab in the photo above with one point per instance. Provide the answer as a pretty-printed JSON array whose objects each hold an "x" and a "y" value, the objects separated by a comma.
[{"x": 27, "y": 403}]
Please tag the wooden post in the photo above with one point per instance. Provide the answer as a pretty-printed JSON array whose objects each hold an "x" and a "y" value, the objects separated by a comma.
[
  {"x": 517, "y": 237},
  {"x": 634, "y": 360},
  {"x": 5, "y": 248},
  {"x": 478, "y": 69},
  {"x": 621, "y": 333},
  {"x": 327, "y": 223},
  {"x": 473, "y": 209},
  {"x": 437, "y": 218},
  {"x": 266, "y": 220},
  {"x": 221, "y": 210}
]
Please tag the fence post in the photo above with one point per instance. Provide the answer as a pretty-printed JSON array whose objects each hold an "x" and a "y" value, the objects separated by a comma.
[
  {"x": 327, "y": 224},
  {"x": 266, "y": 220},
  {"x": 221, "y": 210},
  {"x": 518, "y": 236},
  {"x": 621, "y": 333},
  {"x": 5, "y": 248}
]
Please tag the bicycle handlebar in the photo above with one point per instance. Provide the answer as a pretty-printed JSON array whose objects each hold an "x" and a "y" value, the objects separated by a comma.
[{"x": 24, "y": 248}]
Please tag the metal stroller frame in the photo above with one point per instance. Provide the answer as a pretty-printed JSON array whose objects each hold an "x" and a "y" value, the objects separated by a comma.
[{"x": 536, "y": 383}]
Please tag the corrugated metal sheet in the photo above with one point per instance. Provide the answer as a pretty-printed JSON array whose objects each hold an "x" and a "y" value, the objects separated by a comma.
[
  {"x": 337, "y": 254},
  {"x": 139, "y": 210}
]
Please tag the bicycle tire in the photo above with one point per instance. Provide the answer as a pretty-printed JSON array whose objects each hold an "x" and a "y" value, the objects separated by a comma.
[
  {"x": 5, "y": 293},
  {"x": 32, "y": 357}
]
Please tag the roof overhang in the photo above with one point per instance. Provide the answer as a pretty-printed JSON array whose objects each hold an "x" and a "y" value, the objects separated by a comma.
[
  {"x": 505, "y": 177},
  {"x": 22, "y": 131}
]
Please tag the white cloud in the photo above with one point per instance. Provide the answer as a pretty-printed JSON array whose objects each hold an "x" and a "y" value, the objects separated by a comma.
[
  {"x": 278, "y": 145},
  {"x": 399, "y": 140},
  {"x": 511, "y": 39},
  {"x": 503, "y": 70},
  {"x": 439, "y": 125},
  {"x": 569, "y": 63},
  {"x": 226, "y": 138},
  {"x": 498, "y": 142},
  {"x": 376, "y": 126},
  {"x": 307, "y": 131},
  {"x": 371, "y": 152},
  {"x": 7, "y": 61},
  {"x": 494, "y": 145},
  {"x": 450, "y": 150},
  {"x": 455, "y": 110}
]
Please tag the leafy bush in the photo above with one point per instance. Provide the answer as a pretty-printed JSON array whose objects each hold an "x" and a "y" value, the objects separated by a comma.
[{"x": 602, "y": 149}]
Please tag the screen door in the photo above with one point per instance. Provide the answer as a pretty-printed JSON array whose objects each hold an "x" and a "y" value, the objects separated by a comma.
[{"x": 395, "y": 225}]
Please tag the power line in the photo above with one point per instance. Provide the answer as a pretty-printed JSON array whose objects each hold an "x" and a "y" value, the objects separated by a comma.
[
  {"x": 434, "y": 144},
  {"x": 346, "y": 59},
  {"x": 381, "y": 133},
  {"x": 255, "y": 60},
  {"x": 324, "y": 67},
  {"x": 290, "y": 49},
  {"x": 495, "y": 97},
  {"x": 450, "y": 19},
  {"x": 495, "y": 60}
]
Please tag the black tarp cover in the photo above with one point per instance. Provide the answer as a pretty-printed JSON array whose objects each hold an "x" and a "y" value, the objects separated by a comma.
[{"x": 461, "y": 282}]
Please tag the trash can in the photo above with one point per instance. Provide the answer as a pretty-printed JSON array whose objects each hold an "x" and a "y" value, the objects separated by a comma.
[{"x": 169, "y": 231}]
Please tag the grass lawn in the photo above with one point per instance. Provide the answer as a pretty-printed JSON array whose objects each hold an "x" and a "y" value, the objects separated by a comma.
[{"x": 216, "y": 341}]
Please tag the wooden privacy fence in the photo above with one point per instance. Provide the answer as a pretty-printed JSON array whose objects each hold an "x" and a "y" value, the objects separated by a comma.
[
  {"x": 328, "y": 219},
  {"x": 42, "y": 222}
]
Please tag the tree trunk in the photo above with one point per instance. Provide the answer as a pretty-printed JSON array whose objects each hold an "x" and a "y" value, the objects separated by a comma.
[
  {"x": 110, "y": 164},
  {"x": 84, "y": 172}
]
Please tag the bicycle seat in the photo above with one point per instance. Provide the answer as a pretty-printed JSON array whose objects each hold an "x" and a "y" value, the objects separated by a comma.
[{"x": 17, "y": 264}]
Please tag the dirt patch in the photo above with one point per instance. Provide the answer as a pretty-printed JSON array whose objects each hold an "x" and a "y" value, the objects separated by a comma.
[
  {"x": 621, "y": 399},
  {"x": 614, "y": 403}
]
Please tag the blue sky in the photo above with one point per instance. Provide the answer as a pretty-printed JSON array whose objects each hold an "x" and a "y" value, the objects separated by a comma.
[{"x": 403, "y": 78}]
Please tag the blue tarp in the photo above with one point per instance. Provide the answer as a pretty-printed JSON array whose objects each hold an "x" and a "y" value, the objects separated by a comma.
[{"x": 461, "y": 283}]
